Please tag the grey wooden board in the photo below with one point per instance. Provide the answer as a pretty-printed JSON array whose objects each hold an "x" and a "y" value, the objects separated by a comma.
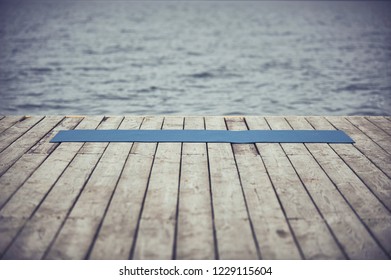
[
  {"x": 195, "y": 237},
  {"x": 378, "y": 136},
  {"x": 311, "y": 232},
  {"x": 8, "y": 121},
  {"x": 117, "y": 233},
  {"x": 196, "y": 200},
  {"x": 369, "y": 209},
  {"x": 271, "y": 228},
  {"x": 23, "y": 143},
  {"x": 364, "y": 144},
  {"x": 373, "y": 177},
  {"x": 360, "y": 244},
  {"x": 233, "y": 232},
  {"x": 25, "y": 201},
  {"x": 88, "y": 211},
  {"x": 156, "y": 233},
  {"x": 29, "y": 161},
  {"x": 381, "y": 122},
  {"x": 17, "y": 130}
]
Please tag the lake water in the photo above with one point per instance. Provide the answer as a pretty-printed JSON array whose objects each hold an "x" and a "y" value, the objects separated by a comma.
[{"x": 195, "y": 57}]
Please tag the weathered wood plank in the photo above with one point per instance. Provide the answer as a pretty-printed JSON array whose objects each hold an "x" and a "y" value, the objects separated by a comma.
[
  {"x": 19, "y": 209},
  {"x": 380, "y": 122},
  {"x": 347, "y": 228},
  {"x": 156, "y": 233},
  {"x": 8, "y": 121},
  {"x": 269, "y": 222},
  {"x": 25, "y": 166},
  {"x": 17, "y": 174},
  {"x": 365, "y": 144},
  {"x": 44, "y": 146},
  {"x": 76, "y": 236},
  {"x": 373, "y": 214},
  {"x": 312, "y": 234},
  {"x": 15, "y": 150},
  {"x": 195, "y": 238},
  {"x": 379, "y": 136},
  {"x": 332, "y": 201},
  {"x": 119, "y": 227},
  {"x": 370, "y": 174},
  {"x": 41, "y": 229},
  {"x": 233, "y": 231},
  {"x": 98, "y": 147},
  {"x": 14, "y": 132}
]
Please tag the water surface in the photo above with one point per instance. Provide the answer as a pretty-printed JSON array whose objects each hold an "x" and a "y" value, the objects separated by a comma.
[{"x": 195, "y": 58}]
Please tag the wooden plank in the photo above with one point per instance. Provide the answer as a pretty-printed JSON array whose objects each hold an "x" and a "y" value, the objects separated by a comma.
[
  {"x": 269, "y": 222},
  {"x": 43, "y": 226},
  {"x": 342, "y": 220},
  {"x": 19, "y": 209},
  {"x": 377, "y": 135},
  {"x": 119, "y": 226},
  {"x": 373, "y": 213},
  {"x": 11, "y": 181},
  {"x": 9, "y": 136},
  {"x": 155, "y": 238},
  {"x": 87, "y": 213},
  {"x": 15, "y": 150},
  {"x": 364, "y": 144},
  {"x": 8, "y": 122},
  {"x": 380, "y": 122},
  {"x": 195, "y": 237},
  {"x": 98, "y": 147},
  {"x": 312, "y": 234},
  {"x": 25, "y": 166},
  {"x": 370, "y": 174},
  {"x": 44, "y": 146},
  {"x": 233, "y": 231}
]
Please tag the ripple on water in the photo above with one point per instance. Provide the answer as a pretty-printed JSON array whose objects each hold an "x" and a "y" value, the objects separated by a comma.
[{"x": 268, "y": 57}]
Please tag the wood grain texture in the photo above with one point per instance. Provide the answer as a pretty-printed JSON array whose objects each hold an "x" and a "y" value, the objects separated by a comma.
[
  {"x": 195, "y": 237},
  {"x": 380, "y": 122},
  {"x": 156, "y": 233},
  {"x": 78, "y": 232},
  {"x": 118, "y": 230},
  {"x": 20, "y": 127},
  {"x": 233, "y": 231},
  {"x": 8, "y": 121},
  {"x": 311, "y": 232},
  {"x": 374, "y": 178},
  {"x": 26, "y": 165},
  {"x": 24, "y": 142},
  {"x": 365, "y": 144},
  {"x": 29, "y": 196},
  {"x": 370, "y": 210},
  {"x": 345, "y": 225},
  {"x": 41, "y": 228},
  {"x": 377, "y": 135},
  {"x": 44, "y": 146},
  {"x": 194, "y": 200},
  {"x": 271, "y": 228}
]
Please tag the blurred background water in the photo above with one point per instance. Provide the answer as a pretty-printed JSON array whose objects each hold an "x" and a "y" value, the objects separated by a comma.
[{"x": 195, "y": 57}]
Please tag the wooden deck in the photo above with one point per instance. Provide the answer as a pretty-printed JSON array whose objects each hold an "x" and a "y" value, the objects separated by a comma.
[{"x": 194, "y": 200}]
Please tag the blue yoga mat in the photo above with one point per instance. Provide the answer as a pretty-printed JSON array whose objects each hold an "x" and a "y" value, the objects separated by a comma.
[{"x": 204, "y": 136}]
